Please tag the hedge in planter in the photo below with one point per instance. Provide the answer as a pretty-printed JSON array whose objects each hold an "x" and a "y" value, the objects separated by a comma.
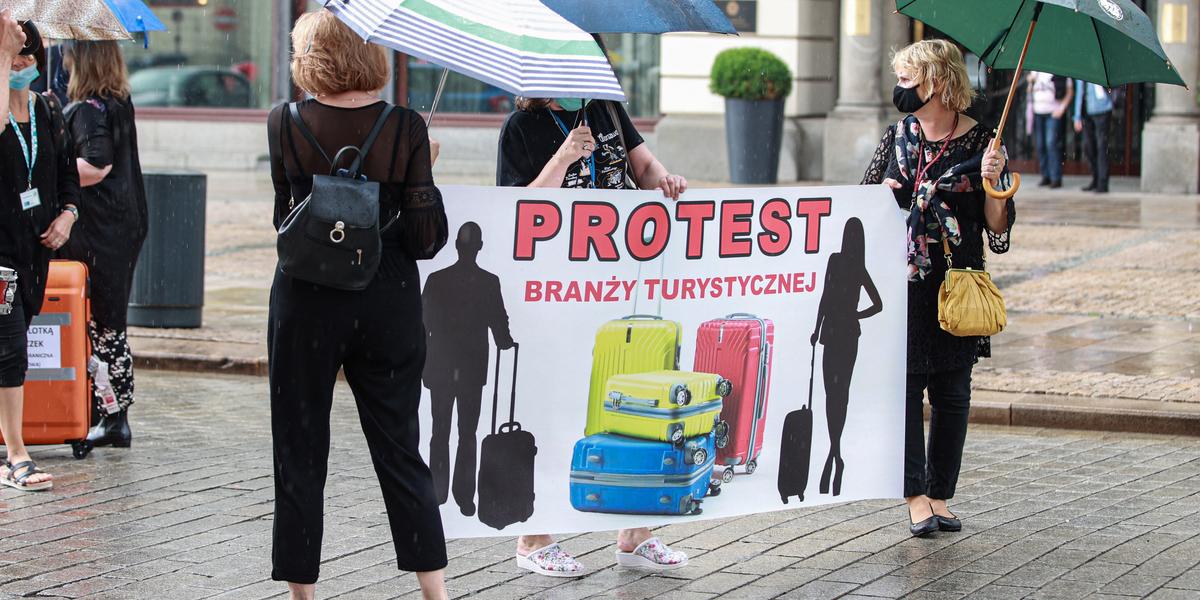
[{"x": 755, "y": 84}]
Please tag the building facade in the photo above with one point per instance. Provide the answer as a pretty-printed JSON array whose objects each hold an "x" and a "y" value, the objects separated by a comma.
[{"x": 203, "y": 90}]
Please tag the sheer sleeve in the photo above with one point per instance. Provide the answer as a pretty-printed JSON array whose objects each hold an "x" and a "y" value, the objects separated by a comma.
[
  {"x": 879, "y": 162},
  {"x": 279, "y": 179},
  {"x": 422, "y": 215},
  {"x": 999, "y": 243}
]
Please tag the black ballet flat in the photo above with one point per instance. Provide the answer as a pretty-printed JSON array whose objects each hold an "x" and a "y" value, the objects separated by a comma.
[
  {"x": 925, "y": 527},
  {"x": 951, "y": 524}
]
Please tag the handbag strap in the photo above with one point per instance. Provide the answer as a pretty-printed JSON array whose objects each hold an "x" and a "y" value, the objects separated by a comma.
[
  {"x": 616, "y": 119},
  {"x": 946, "y": 250},
  {"x": 294, "y": 109}
]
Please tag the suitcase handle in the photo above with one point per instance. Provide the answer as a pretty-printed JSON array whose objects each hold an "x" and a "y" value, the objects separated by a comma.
[
  {"x": 512, "y": 406},
  {"x": 743, "y": 316},
  {"x": 635, "y": 317},
  {"x": 510, "y": 427},
  {"x": 812, "y": 369}
]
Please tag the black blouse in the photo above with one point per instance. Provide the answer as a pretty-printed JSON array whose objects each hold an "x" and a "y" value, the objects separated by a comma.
[
  {"x": 399, "y": 160},
  {"x": 930, "y": 349},
  {"x": 57, "y": 180}
]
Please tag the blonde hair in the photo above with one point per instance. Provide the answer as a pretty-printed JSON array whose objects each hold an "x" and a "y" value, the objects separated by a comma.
[
  {"x": 939, "y": 63},
  {"x": 329, "y": 58},
  {"x": 97, "y": 71}
]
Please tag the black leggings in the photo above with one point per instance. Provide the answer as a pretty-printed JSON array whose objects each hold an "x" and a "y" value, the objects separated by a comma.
[
  {"x": 377, "y": 338},
  {"x": 838, "y": 369},
  {"x": 936, "y": 474}
]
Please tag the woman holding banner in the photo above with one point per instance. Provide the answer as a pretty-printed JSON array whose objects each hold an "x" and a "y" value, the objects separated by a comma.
[
  {"x": 570, "y": 143},
  {"x": 935, "y": 160}
]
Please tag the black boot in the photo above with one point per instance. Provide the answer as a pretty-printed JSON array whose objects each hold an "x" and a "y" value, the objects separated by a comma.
[
  {"x": 825, "y": 473},
  {"x": 110, "y": 430}
]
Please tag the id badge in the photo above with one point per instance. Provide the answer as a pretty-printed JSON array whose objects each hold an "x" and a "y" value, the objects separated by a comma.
[{"x": 30, "y": 199}]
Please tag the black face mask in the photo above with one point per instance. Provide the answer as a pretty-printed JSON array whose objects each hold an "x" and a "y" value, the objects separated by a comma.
[{"x": 907, "y": 100}]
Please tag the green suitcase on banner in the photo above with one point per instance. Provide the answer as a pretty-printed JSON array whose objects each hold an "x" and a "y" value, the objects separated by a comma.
[
  {"x": 634, "y": 344},
  {"x": 668, "y": 406}
]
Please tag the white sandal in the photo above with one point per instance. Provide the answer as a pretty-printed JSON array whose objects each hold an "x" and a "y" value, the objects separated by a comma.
[
  {"x": 652, "y": 555},
  {"x": 551, "y": 561}
]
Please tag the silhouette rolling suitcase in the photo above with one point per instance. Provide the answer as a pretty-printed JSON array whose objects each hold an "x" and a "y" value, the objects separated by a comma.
[
  {"x": 739, "y": 348},
  {"x": 634, "y": 344},
  {"x": 57, "y": 390},
  {"x": 506, "y": 463},
  {"x": 617, "y": 474},
  {"x": 668, "y": 406},
  {"x": 795, "y": 447}
]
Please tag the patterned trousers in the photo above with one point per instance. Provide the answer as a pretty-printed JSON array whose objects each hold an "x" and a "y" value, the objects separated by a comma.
[{"x": 112, "y": 347}]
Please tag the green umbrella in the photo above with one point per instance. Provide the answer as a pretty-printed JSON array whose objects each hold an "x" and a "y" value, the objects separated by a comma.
[{"x": 1107, "y": 42}]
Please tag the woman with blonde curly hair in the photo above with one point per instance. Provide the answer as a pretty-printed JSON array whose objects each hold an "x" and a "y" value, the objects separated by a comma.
[
  {"x": 375, "y": 335},
  {"x": 935, "y": 160}
]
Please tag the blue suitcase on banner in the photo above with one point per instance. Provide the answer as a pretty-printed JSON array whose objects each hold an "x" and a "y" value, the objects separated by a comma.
[{"x": 617, "y": 474}]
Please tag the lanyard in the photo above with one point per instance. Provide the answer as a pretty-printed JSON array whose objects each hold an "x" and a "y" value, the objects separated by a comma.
[
  {"x": 567, "y": 133},
  {"x": 921, "y": 151},
  {"x": 30, "y": 157}
]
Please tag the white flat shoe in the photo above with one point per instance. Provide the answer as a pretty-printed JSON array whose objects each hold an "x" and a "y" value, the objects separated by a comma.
[
  {"x": 652, "y": 555},
  {"x": 551, "y": 561}
]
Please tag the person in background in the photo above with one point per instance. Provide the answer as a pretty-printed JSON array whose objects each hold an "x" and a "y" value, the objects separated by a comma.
[
  {"x": 375, "y": 336},
  {"x": 101, "y": 123},
  {"x": 1093, "y": 107},
  {"x": 572, "y": 144},
  {"x": 39, "y": 198},
  {"x": 1051, "y": 97},
  {"x": 935, "y": 161}
]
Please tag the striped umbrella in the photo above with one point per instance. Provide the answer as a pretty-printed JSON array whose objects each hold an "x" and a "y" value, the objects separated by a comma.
[{"x": 518, "y": 45}]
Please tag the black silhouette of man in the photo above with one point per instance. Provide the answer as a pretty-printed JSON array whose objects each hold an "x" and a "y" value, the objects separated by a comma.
[{"x": 461, "y": 303}]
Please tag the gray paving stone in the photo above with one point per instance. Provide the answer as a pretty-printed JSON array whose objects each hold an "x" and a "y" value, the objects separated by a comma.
[
  {"x": 1134, "y": 585},
  {"x": 819, "y": 590}
]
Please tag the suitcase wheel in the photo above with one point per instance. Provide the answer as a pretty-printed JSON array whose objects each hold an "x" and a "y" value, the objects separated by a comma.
[
  {"x": 699, "y": 456},
  {"x": 784, "y": 498},
  {"x": 724, "y": 387},
  {"x": 714, "y": 488},
  {"x": 722, "y": 431},
  {"x": 751, "y": 467},
  {"x": 677, "y": 436},
  {"x": 727, "y": 476},
  {"x": 697, "y": 511},
  {"x": 682, "y": 395},
  {"x": 81, "y": 449}
]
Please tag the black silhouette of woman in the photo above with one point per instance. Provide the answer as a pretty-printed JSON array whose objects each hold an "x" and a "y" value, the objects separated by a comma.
[{"x": 837, "y": 329}]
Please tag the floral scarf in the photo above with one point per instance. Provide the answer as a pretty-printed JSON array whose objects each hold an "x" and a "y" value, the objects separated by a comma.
[{"x": 930, "y": 220}]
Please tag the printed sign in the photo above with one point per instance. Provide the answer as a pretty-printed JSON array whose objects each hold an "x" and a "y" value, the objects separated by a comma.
[
  {"x": 607, "y": 359},
  {"x": 45, "y": 347}
]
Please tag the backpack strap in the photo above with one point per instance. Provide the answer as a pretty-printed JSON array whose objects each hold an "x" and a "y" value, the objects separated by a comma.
[
  {"x": 294, "y": 109},
  {"x": 375, "y": 131}
]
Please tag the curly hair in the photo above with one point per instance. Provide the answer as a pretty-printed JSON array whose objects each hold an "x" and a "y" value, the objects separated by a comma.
[
  {"x": 939, "y": 63},
  {"x": 329, "y": 58}
]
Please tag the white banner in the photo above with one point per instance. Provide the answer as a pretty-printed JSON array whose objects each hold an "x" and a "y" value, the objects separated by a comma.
[
  {"x": 45, "y": 346},
  {"x": 730, "y": 284}
]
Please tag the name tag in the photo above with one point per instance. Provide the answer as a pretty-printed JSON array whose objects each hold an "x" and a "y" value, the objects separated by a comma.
[{"x": 30, "y": 199}]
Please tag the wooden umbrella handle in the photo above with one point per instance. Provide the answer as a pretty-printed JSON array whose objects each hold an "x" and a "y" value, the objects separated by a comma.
[{"x": 1012, "y": 92}]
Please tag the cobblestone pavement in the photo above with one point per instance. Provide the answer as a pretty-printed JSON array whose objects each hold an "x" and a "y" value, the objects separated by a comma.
[{"x": 186, "y": 513}]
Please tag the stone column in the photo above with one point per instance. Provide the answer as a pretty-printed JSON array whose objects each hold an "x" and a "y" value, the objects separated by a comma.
[
  {"x": 1171, "y": 139},
  {"x": 853, "y": 129}
]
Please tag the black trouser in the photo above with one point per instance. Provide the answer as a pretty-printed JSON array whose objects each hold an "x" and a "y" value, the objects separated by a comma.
[
  {"x": 468, "y": 399},
  {"x": 1095, "y": 148},
  {"x": 377, "y": 338},
  {"x": 935, "y": 474}
]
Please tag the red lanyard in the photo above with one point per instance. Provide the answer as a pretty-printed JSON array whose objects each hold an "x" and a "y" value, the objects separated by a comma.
[{"x": 921, "y": 150}]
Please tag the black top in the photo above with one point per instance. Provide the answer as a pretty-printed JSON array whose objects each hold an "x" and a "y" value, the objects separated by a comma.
[
  {"x": 528, "y": 140},
  {"x": 399, "y": 161},
  {"x": 57, "y": 181},
  {"x": 930, "y": 349},
  {"x": 114, "y": 222}
]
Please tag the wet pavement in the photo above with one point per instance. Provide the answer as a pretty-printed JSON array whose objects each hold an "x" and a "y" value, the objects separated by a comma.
[{"x": 186, "y": 513}]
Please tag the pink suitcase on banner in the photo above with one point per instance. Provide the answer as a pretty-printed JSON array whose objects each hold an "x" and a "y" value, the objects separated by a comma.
[{"x": 738, "y": 348}]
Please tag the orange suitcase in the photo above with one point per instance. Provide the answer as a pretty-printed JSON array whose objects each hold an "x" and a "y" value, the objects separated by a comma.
[{"x": 57, "y": 390}]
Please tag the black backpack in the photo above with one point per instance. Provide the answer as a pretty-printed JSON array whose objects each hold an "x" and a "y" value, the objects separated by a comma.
[{"x": 332, "y": 237}]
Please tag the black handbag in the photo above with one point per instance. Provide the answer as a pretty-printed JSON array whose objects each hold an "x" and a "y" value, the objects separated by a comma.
[{"x": 332, "y": 238}]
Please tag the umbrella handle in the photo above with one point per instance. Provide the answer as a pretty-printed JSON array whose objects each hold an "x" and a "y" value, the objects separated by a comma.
[{"x": 1005, "y": 194}]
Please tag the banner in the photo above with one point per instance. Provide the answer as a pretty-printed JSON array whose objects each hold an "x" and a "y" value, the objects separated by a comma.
[{"x": 608, "y": 359}]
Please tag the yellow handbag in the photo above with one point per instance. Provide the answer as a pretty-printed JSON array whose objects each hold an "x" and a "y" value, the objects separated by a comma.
[{"x": 969, "y": 303}]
